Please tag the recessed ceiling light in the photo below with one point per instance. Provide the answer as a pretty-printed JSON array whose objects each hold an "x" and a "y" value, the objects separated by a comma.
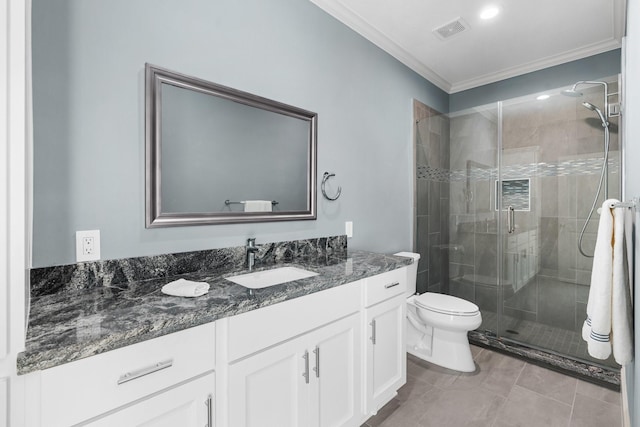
[
  {"x": 489, "y": 12},
  {"x": 542, "y": 97}
]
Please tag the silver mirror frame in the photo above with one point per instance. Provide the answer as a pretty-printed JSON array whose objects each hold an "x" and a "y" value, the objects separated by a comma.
[{"x": 154, "y": 78}]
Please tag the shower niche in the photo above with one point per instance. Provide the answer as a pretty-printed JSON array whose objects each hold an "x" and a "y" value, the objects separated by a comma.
[{"x": 514, "y": 193}]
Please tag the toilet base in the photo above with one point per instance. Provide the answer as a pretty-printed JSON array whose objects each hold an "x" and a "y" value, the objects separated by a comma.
[{"x": 449, "y": 349}]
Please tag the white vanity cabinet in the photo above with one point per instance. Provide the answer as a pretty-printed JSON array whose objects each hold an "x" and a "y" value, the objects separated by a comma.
[
  {"x": 133, "y": 379},
  {"x": 385, "y": 326},
  {"x": 328, "y": 359},
  {"x": 312, "y": 377},
  {"x": 311, "y": 380}
]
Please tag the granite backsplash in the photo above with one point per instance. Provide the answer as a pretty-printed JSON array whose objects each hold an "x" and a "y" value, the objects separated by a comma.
[{"x": 121, "y": 272}]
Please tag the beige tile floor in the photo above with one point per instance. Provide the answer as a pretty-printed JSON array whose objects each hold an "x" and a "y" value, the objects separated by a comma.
[{"x": 503, "y": 392}]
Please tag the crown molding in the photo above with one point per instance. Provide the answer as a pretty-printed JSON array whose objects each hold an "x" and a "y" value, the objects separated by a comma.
[
  {"x": 540, "y": 64},
  {"x": 358, "y": 24},
  {"x": 354, "y": 21}
]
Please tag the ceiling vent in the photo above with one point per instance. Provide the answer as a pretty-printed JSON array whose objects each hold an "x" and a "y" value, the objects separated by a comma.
[{"x": 450, "y": 29}]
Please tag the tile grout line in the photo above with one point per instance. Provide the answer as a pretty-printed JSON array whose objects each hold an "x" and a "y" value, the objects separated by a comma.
[
  {"x": 495, "y": 421},
  {"x": 547, "y": 397},
  {"x": 573, "y": 405}
]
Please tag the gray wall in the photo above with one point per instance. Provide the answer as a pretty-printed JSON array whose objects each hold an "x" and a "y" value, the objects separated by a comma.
[
  {"x": 602, "y": 65},
  {"x": 88, "y": 68}
]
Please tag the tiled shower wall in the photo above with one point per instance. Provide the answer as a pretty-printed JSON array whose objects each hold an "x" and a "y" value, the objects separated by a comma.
[
  {"x": 473, "y": 220},
  {"x": 432, "y": 198}
]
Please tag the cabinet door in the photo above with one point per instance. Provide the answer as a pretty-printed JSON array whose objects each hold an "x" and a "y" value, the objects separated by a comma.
[
  {"x": 386, "y": 356},
  {"x": 189, "y": 405},
  {"x": 336, "y": 374},
  {"x": 270, "y": 389}
]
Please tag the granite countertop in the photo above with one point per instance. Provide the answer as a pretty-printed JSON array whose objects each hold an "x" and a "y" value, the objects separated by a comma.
[{"x": 72, "y": 325}]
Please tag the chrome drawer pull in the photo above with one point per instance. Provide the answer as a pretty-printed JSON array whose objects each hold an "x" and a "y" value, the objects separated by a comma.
[
  {"x": 130, "y": 376},
  {"x": 391, "y": 285}
]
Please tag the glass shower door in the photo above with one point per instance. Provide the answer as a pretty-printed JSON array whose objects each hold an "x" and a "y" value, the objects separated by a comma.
[{"x": 551, "y": 153}]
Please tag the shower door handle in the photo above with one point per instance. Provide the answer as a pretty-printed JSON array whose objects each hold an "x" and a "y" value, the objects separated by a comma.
[{"x": 511, "y": 219}]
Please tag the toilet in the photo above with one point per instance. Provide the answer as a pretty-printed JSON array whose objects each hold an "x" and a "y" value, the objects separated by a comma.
[{"x": 437, "y": 324}]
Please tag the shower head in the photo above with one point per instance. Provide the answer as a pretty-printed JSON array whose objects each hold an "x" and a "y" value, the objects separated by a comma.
[
  {"x": 572, "y": 93},
  {"x": 575, "y": 94},
  {"x": 592, "y": 107}
]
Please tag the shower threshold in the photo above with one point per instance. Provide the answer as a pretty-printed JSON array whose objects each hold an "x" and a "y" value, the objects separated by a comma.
[{"x": 598, "y": 374}]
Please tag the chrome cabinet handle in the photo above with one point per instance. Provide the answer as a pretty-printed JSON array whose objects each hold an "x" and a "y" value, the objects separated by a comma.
[
  {"x": 391, "y": 285},
  {"x": 130, "y": 376},
  {"x": 373, "y": 331},
  {"x": 511, "y": 226},
  {"x": 306, "y": 366},
  {"x": 209, "y": 403},
  {"x": 317, "y": 368}
]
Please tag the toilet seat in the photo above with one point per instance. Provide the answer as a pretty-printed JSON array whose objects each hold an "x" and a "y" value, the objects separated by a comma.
[{"x": 446, "y": 304}]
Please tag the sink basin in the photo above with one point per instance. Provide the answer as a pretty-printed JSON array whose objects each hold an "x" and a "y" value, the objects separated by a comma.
[{"x": 266, "y": 278}]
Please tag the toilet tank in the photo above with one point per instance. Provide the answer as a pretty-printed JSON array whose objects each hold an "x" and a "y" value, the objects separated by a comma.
[{"x": 412, "y": 271}]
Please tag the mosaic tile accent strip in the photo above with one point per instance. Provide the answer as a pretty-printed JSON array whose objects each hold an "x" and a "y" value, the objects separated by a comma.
[
  {"x": 568, "y": 168},
  {"x": 590, "y": 166}
]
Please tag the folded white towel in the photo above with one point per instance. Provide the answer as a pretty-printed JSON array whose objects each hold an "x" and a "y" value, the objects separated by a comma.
[
  {"x": 258, "y": 206},
  {"x": 185, "y": 288}
]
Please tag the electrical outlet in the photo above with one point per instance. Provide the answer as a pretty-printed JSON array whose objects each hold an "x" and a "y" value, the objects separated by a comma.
[{"x": 87, "y": 245}]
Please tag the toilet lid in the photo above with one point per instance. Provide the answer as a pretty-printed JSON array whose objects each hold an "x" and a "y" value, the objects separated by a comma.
[{"x": 446, "y": 304}]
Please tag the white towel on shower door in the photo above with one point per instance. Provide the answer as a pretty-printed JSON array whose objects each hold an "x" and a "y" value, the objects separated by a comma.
[
  {"x": 597, "y": 327},
  {"x": 621, "y": 298},
  {"x": 609, "y": 307}
]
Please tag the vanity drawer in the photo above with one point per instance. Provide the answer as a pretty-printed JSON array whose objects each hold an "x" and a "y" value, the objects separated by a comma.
[
  {"x": 258, "y": 329},
  {"x": 384, "y": 286},
  {"x": 86, "y": 388}
]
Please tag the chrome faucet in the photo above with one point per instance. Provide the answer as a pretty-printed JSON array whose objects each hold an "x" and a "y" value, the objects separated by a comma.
[{"x": 251, "y": 252}]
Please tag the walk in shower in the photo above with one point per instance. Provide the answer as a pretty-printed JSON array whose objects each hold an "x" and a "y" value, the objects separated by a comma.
[{"x": 540, "y": 155}]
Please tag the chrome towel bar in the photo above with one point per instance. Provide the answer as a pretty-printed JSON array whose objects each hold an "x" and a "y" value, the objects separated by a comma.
[
  {"x": 629, "y": 204},
  {"x": 229, "y": 202}
]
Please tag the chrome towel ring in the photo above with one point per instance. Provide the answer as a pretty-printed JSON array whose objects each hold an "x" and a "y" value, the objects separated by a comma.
[{"x": 325, "y": 177}]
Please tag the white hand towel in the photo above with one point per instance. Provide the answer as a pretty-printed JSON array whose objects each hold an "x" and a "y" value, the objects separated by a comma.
[
  {"x": 258, "y": 206},
  {"x": 621, "y": 299},
  {"x": 185, "y": 288},
  {"x": 597, "y": 326}
]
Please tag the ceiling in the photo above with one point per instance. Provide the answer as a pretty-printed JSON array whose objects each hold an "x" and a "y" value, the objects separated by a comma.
[{"x": 527, "y": 35}]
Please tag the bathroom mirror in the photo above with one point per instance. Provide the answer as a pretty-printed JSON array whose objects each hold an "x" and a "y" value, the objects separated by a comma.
[{"x": 216, "y": 155}]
